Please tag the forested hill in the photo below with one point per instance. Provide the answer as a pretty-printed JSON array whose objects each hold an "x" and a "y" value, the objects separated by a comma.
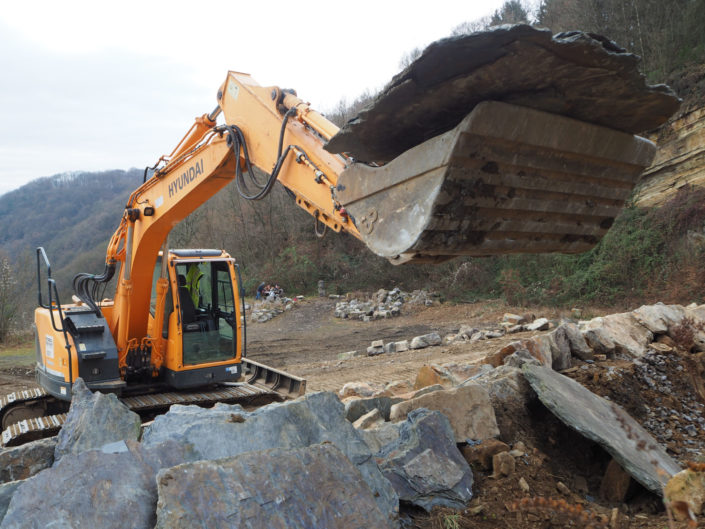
[{"x": 72, "y": 215}]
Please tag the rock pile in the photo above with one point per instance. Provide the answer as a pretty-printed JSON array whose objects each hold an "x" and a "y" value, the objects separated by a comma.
[
  {"x": 383, "y": 304},
  {"x": 265, "y": 310},
  {"x": 372, "y": 446}
]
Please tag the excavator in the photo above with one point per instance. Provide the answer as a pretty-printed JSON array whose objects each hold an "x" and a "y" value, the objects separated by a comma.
[{"x": 466, "y": 152}]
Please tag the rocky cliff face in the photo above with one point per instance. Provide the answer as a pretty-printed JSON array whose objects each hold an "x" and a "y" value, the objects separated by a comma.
[{"x": 680, "y": 159}]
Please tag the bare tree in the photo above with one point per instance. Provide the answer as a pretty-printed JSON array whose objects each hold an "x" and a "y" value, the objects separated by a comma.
[
  {"x": 511, "y": 12},
  {"x": 8, "y": 298}
]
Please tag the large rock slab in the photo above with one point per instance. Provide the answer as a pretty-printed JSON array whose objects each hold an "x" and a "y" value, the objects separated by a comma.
[
  {"x": 425, "y": 466},
  {"x": 618, "y": 334},
  {"x": 659, "y": 318},
  {"x": 94, "y": 489},
  {"x": 22, "y": 462},
  {"x": 228, "y": 430},
  {"x": 302, "y": 488},
  {"x": 519, "y": 64},
  {"x": 95, "y": 419},
  {"x": 467, "y": 407},
  {"x": 604, "y": 423}
]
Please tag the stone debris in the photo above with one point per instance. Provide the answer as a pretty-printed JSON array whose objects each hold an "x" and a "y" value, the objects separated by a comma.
[
  {"x": 424, "y": 464},
  {"x": 314, "y": 487},
  {"x": 264, "y": 310},
  {"x": 383, "y": 304}
]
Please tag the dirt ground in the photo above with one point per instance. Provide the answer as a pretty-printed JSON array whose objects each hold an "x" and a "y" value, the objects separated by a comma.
[{"x": 308, "y": 340}]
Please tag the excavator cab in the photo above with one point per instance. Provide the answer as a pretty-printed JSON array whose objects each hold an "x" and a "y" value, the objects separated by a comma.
[{"x": 202, "y": 328}]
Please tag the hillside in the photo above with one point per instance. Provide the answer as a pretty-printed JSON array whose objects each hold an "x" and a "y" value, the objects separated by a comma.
[{"x": 71, "y": 215}]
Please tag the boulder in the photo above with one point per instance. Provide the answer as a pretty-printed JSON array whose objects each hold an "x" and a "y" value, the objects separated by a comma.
[
  {"x": 425, "y": 466},
  {"x": 402, "y": 346},
  {"x": 513, "y": 319},
  {"x": 540, "y": 324},
  {"x": 506, "y": 386},
  {"x": 381, "y": 435},
  {"x": 497, "y": 359},
  {"x": 7, "y": 491},
  {"x": 604, "y": 423},
  {"x": 398, "y": 387},
  {"x": 615, "y": 483},
  {"x": 356, "y": 389},
  {"x": 431, "y": 376},
  {"x": 561, "y": 350},
  {"x": 95, "y": 489},
  {"x": 356, "y": 408},
  {"x": 467, "y": 407},
  {"x": 228, "y": 430},
  {"x": 686, "y": 486},
  {"x": 577, "y": 344},
  {"x": 481, "y": 453},
  {"x": 314, "y": 487},
  {"x": 503, "y": 464},
  {"x": 95, "y": 419},
  {"x": 426, "y": 340},
  {"x": 659, "y": 318},
  {"x": 22, "y": 462},
  {"x": 369, "y": 420},
  {"x": 627, "y": 336},
  {"x": 519, "y": 358}
]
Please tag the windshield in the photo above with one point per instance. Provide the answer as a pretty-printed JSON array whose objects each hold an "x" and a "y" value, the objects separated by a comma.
[{"x": 207, "y": 305}]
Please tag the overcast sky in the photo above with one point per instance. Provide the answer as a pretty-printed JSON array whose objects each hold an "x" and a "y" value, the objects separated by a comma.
[{"x": 91, "y": 85}]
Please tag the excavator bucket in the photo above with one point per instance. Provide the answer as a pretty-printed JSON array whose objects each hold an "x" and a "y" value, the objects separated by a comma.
[
  {"x": 505, "y": 141},
  {"x": 507, "y": 179}
]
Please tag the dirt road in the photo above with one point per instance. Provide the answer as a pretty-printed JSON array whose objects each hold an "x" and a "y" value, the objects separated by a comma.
[{"x": 307, "y": 341}]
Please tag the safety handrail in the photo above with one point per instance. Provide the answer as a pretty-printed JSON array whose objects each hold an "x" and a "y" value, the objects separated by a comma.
[{"x": 51, "y": 289}]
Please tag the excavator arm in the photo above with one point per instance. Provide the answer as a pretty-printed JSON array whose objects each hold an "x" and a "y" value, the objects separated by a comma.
[{"x": 457, "y": 156}]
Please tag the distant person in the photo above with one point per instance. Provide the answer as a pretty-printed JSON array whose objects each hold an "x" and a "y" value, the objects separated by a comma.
[{"x": 260, "y": 290}]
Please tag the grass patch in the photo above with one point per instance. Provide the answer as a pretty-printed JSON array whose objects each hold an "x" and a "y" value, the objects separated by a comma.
[{"x": 17, "y": 355}]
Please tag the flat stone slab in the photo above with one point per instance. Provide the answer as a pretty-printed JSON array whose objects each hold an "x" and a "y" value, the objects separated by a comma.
[
  {"x": 606, "y": 424},
  {"x": 302, "y": 488},
  {"x": 575, "y": 74}
]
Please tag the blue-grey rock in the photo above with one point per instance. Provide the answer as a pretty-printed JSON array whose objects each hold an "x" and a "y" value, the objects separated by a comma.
[
  {"x": 22, "y": 462},
  {"x": 314, "y": 487},
  {"x": 605, "y": 423},
  {"x": 356, "y": 408},
  {"x": 382, "y": 435},
  {"x": 424, "y": 464},
  {"x": 7, "y": 490},
  {"x": 95, "y": 490},
  {"x": 228, "y": 430},
  {"x": 95, "y": 419}
]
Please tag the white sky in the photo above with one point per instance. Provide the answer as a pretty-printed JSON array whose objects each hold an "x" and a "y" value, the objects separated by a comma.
[{"x": 95, "y": 85}]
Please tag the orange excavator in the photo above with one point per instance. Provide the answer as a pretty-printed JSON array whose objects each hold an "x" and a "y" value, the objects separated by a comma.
[{"x": 486, "y": 173}]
